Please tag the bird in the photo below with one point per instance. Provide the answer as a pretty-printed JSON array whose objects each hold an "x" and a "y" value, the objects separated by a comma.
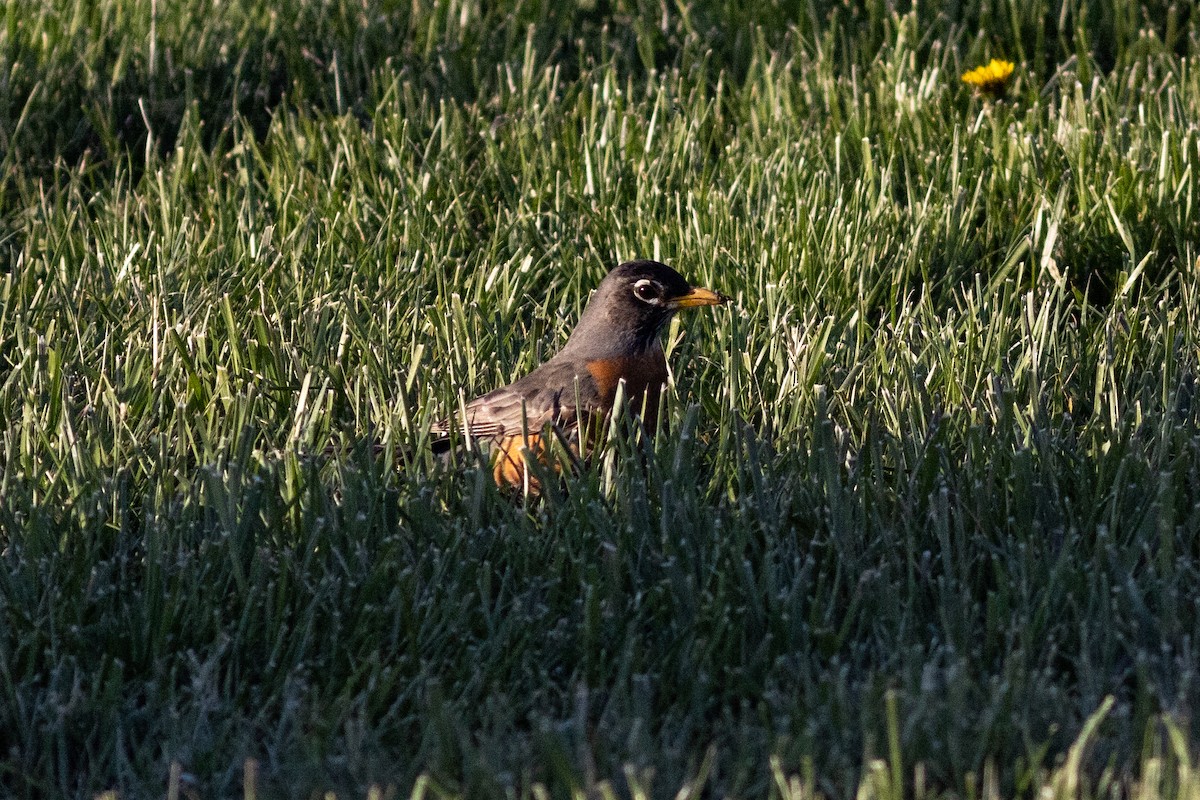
[{"x": 573, "y": 394}]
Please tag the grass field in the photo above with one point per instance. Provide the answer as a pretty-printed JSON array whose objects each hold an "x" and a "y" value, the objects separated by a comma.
[{"x": 928, "y": 497}]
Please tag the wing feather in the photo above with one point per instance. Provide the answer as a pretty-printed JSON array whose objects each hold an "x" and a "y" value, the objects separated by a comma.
[{"x": 554, "y": 394}]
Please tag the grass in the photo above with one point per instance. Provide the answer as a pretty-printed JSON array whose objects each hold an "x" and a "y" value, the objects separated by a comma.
[{"x": 925, "y": 518}]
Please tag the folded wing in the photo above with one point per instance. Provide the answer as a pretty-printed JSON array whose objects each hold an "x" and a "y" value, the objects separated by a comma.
[{"x": 554, "y": 394}]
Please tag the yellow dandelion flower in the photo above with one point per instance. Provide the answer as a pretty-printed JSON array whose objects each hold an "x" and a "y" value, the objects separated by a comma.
[{"x": 991, "y": 78}]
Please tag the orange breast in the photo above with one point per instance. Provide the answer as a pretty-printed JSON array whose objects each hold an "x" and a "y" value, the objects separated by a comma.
[
  {"x": 510, "y": 468},
  {"x": 644, "y": 376},
  {"x": 512, "y": 458}
]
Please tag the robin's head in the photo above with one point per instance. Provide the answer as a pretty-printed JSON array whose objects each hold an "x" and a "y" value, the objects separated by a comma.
[{"x": 633, "y": 303}]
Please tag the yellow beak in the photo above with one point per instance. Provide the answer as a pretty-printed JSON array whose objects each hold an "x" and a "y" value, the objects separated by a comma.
[{"x": 698, "y": 297}]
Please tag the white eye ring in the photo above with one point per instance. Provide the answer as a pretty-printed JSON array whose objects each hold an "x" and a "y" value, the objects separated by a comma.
[{"x": 646, "y": 291}]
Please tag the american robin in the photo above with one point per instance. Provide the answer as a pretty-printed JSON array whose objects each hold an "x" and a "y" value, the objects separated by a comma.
[{"x": 573, "y": 393}]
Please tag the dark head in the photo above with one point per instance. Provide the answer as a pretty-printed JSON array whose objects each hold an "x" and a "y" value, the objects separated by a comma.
[{"x": 631, "y": 306}]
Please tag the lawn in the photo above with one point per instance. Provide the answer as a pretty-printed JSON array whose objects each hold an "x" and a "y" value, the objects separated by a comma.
[{"x": 924, "y": 515}]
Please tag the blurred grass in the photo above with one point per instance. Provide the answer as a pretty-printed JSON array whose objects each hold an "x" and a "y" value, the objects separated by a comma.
[{"x": 944, "y": 450}]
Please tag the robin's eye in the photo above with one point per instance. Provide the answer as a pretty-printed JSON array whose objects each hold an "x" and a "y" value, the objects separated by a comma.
[{"x": 646, "y": 290}]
